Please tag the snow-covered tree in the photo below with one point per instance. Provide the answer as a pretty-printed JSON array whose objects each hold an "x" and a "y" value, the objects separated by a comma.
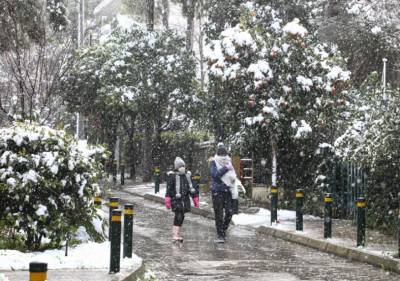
[
  {"x": 365, "y": 31},
  {"x": 290, "y": 82},
  {"x": 31, "y": 55},
  {"x": 47, "y": 184},
  {"x": 371, "y": 141},
  {"x": 143, "y": 74}
]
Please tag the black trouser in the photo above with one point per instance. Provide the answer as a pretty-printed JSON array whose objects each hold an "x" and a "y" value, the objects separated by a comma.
[
  {"x": 178, "y": 219},
  {"x": 222, "y": 202}
]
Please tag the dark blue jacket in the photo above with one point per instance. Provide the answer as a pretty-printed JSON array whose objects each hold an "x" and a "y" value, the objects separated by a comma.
[{"x": 217, "y": 185}]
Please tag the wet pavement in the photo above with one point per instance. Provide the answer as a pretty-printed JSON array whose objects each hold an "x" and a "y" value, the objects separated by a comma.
[
  {"x": 344, "y": 232},
  {"x": 246, "y": 256}
]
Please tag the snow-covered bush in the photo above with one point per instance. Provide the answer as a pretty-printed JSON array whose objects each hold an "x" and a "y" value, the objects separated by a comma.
[
  {"x": 47, "y": 183},
  {"x": 372, "y": 140}
]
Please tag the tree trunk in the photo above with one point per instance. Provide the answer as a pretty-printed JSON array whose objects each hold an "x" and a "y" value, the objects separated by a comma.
[
  {"x": 332, "y": 9},
  {"x": 132, "y": 157},
  {"x": 274, "y": 148},
  {"x": 165, "y": 13},
  {"x": 150, "y": 15},
  {"x": 201, "y": 49},
  {"x": 147, "y": 152},
  {"x": 190, "y": 24},
  {"x": 130, "y": 131}
]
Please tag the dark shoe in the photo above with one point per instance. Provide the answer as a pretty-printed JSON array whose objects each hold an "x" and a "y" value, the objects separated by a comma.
[{"x": 219, "y": 240}]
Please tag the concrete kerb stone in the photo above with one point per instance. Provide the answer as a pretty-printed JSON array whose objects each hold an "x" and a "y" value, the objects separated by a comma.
[
  {"x": 385, "y": 263},
  {"x": 132, "y": 276}
]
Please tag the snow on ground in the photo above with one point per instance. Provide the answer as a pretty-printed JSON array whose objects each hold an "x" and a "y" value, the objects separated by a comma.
[
  {"x": 263, "y": 217},
  {"x": 287, "y": 222},
  {"x": 84, "y": 256},
  {"x": 3, "y": 277}
]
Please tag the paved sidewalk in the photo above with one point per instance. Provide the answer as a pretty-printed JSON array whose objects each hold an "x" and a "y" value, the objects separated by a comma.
[
  {"x": 344, "y": 232},
  {"x": 248, "y": 254}
]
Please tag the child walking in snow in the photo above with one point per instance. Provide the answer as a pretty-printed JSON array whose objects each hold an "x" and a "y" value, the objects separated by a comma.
[{"x": 177, "y": 196}]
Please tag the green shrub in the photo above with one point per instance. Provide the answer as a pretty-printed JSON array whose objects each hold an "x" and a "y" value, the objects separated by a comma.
[{"x": 47, "y": 182}]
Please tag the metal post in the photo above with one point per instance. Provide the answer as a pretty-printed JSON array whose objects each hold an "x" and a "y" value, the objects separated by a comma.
[
  {"x": 361, "y": 221},
  {"x": 115, "y": 245},
  {"x": 122, "y": 167},
  {"x": 97, "y": 201},
  {"x": 328, "y": 216},
  {"x": 299, "y": 209},
  {"x": 128, "y": 230},
  {"x": 156, "y": 179},
  {"x": 274, "y": 204},
  {"x": 37, "y": 271},
  {"x": 196, "y": 181},
  {"x": 113, "y": 204},
  {"x": 384, "y": 60}
]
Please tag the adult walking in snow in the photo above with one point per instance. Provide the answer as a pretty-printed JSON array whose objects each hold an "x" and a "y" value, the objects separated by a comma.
[
  {"x": 177, "y": 196},
  {"x": 220, "y": 166}
]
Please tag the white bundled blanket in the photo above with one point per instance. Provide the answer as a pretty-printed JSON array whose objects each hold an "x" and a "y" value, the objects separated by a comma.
[{"x": 230, "y": 178}]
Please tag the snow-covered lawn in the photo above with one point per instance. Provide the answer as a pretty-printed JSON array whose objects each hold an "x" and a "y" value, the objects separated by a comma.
[{"x": 84, "y": 256}]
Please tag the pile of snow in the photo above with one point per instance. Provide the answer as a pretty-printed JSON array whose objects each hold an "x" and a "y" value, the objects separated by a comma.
[
  {"x": 85, "y": 256},
  {"x": 263, "y": 217}
]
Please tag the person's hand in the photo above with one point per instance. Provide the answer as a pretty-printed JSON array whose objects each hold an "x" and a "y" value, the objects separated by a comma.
[
  {"x": 167, "y": 201},
  {"x": 196, "y": 202},
  {"x": 241, "y": 189}
]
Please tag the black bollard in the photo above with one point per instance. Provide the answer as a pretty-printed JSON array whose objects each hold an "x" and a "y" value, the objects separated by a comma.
[
  {"x": 115, "y": 245},
  {"x": 328, "y": 216},
  {"x": 122, "y": 174},
  {"x": 37, "y": 271},
  {"x": 128, "y": 230},
  {"x": 97, "y": 201},
  {"x": 113, "y": 204},
  {"x": 299, "y": 209},
  {"x": 274, "y": 204},
  {"x": 361, "y": 221},
  {"x": 196, "y": 180},
  {"x": 156, "y": 179}
]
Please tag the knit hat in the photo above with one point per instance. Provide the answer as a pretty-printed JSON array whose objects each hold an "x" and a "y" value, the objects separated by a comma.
[
  {"x": 221, "y": 150},
  {"x": 178, "y": 163}
]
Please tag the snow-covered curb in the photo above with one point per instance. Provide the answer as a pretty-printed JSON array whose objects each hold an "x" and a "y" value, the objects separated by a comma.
[{"x": 85, "y": 256}]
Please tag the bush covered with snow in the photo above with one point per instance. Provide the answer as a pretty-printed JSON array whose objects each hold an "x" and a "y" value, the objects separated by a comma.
[
  {"x": 371, "y": 140},
  {"x": 47, "y": 182}
]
